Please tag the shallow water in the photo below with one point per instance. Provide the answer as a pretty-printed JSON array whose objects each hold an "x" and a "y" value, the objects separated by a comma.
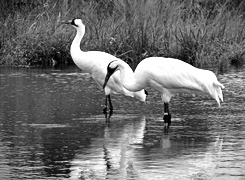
[{"x": 52, "y": 127}]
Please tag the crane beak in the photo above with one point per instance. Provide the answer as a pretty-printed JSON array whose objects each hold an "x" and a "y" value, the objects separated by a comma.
[
  {"x": 107, "y": 77},
  {"x": 66, "y": 22}
]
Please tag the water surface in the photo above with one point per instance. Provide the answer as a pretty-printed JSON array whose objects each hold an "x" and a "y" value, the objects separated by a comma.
[{"x": 52, "y": 127}]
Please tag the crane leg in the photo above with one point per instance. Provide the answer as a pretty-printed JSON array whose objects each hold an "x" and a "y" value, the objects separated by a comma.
[
  {"x": 105, "y": 108},
  {"x": 110, "y": 104},
  {"x": 108, "y": 97},
  {"x": 167, "y": 115}
]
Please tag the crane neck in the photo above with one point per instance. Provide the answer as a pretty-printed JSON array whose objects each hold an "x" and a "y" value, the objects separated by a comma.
[
  {"x": 128, "y": 78},
  {"x": 77, "y": 40}
]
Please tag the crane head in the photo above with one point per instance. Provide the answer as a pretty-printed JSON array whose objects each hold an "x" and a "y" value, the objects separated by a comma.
[
  {"x": 111, "y": 68},
  {"x": 76, "y": 22}
]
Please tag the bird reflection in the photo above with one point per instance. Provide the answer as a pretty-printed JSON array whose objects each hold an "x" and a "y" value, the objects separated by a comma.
[
  {"x": 115, "y": 148},
  {"x": 166, "y": 129},
  {"x": 107, "y": 158},
  {"x": 107, "y": 117}
]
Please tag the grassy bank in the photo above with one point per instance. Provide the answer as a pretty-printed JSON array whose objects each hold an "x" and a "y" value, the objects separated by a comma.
[{"x": 205, "y": 34}]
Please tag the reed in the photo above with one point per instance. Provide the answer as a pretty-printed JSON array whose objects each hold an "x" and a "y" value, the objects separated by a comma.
[{"x": 202, "y": 33}]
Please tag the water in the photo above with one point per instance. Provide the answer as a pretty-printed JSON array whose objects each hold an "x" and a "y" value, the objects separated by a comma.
[{"x": 52, "y": 127}]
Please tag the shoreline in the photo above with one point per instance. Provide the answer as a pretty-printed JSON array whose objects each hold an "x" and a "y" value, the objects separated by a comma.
[{"x": 200, "y": 34}]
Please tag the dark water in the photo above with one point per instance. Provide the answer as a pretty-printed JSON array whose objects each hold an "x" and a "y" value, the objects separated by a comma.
[{"x": 52, "y": 127}]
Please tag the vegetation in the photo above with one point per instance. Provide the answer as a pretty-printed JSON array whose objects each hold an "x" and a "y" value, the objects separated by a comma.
[{"x": 204, "y": 33}]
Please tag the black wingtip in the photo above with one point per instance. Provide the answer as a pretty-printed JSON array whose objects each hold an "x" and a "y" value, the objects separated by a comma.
[{"x": 146, "y": 92}]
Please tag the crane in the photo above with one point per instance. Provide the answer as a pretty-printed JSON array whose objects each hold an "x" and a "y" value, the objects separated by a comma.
[
  {"x": 95, "y": 63},
  {"x": 169, "y": 77}
]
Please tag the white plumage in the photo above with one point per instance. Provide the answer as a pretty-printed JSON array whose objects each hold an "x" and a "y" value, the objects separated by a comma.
[
  {"x": 168, "y": 76},
  {"x": 95, "y": 63}
]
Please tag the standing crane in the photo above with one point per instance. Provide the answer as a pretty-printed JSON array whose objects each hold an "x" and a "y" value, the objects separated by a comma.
[
  {"x": 95, "y": 63},
  {"x": 168, "y": 76}
]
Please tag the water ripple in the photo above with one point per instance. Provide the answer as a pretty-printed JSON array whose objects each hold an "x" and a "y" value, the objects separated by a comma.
[{"x": 52, "y": 127}]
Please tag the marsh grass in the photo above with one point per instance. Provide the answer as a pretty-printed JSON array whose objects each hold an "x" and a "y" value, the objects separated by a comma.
[{"x": 202, "y": 33}]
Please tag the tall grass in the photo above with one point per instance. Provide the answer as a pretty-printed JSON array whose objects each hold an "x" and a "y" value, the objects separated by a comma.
[{"x": 205, "y": 34}]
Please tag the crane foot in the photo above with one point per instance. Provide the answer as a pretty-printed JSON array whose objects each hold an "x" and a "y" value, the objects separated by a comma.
[{"x": 167, "y": 119}]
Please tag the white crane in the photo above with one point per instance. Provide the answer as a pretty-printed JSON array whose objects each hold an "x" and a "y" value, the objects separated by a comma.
[
  {"x": 169, "y": 77},
  {"x": 95, "y": 63}
]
